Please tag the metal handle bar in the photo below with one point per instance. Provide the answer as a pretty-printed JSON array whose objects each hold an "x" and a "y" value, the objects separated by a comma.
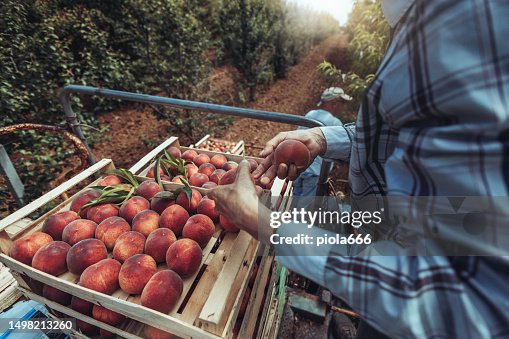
[{"x": 285, "y": 118}]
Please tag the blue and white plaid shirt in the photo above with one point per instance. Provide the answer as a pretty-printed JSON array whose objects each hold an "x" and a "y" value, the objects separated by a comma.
[{"x": 434, "y": 122}]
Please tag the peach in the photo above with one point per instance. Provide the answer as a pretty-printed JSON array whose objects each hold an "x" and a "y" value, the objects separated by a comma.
[
  {"x": 107, "y": 316},
  {"x": 207, "y": 207},
  {"x": 86, "y": 328},
  {"x": 292, "y": 152},
  {"x": 190, "y": 206},
  {"x": 191, "y": 169},
  {"x": 174, "y": 151},
  {"x": 102, "y": 276},
  {"x": 184, "y": 257},
  {"x": 158, "y": 242},
  {"x": 148, "y": 189},
  {"x": 136, "y": 271},
  {"x": 81, "y": 305},
  {"x": 85, "y": 253},
  {"x": 24, "y": 249},
  {"x": 133, "y": 206},
  {"x": 55, "y": 224},
  {"x": 229, "y": 165},
  {"x": 145, "y": 222},
  {"x": 54, "y": 294},
  {"x": 150, "y": 173},
  {"x": 82, "y": 199},
  {"x": 51, "y": 258},
  {"x": 178, "y": 179},
  {"x": 253, "y": 164},
  {"x": 174, "y": 218},
  {"x": 209, "y": 184},
  {"x": 79, "y": 230},
  {"x": 200, "y": 228},
  {"x": 227, "y": 225},
  {"x": 151, "y": 332},
  {"x": 165, "y": 177},
  {"x": 110, "y": 229},
  {"x": 103, "y": 334},
  {"x": 162, "y": 291},
  {"x": 229, "y": 177},
  {"x": 218, "y": 160},
  {"x": 206, "y": 169},
  {"x": 160, "y": 204},
  {"x": 189, "y": 155},
  {"x": 217, "y": 175},
  {"x": 109, "y": 180},
  {"x": 201, "y": 159},
  {"x": 198, "y": 179},
  {"x": 127, "y": 245},
  {"x": 99, "y": 213}
]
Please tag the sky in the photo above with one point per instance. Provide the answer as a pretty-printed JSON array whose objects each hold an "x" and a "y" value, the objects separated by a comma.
[{"x": 338, "y": 8}]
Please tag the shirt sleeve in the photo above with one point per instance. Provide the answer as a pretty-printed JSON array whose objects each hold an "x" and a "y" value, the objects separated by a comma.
[{"x": 339, "y": 142}]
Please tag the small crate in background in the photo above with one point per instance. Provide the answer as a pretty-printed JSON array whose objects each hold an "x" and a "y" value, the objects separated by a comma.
[
  {"x": 219, "y": 145},
  {"x": 212, "y": 297}
]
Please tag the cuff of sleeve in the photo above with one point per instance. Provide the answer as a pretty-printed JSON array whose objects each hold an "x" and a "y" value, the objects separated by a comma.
[{"x": 338, "y": 142}]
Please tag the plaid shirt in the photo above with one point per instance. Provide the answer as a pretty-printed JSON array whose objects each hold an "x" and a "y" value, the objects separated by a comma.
[{"x": 434, "y": 122}]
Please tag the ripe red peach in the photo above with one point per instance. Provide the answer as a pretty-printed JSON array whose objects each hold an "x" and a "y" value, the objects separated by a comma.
[
  {"x": 178, "y": 179},
  {"x": 107, "y": 316},
  {"x": 207, "y": 207},
  {"x": 55, "y": 224},
  {"x": 109, "y": 180},
  {"x": 184, "y": 257},
  {"x": 209, "y": 184},
  {"x": 85, "y": 253},
  {"x": 190, "y": 206},
  {"x": 99, "y": 213},
  {"x": 145, "y": 222},
  {"x": 150, "y": 173},
  {"x": 206, "y": 169},
  {"x": 218, "y": 160},
  {"x": 128, "y": 244},
  {"x": 86, "y": 328},
  {"x": 110, "y": 229},
  {"x": 198, "y": 179},
  {"x": 136, "y": 271},
  {"x": 77, "y": 230},
  {"x": 200, "y": 228},
  {"x": 229, "y": 177},
  {"x": 103, "y": 334},
  {"x": 81, "y": 305},
  {"x": 51, "y": 258},
  {"x": 227, "y": 225},
  {"x": 174, "y": 218},
  {"x": 102, "y": 276},
  {"x": 56, "y": 295},
  {"x": 201, "y": 159},
  {"x": 160, "y": 204},
  {"x": 229, "y": 165},
  {"x": 82, "y": 199},
  {"x": 24, "y": 249},
  {"x": 253, "y": 164},
  {"x": 158, "y": 242},
  {"x": 162, "y": 291},
  {"x": 217, "y": 175},
  {"x": 165, "y": 177},
  {"x": 191, "y": 169},
  {"x": 292, "y": 152},
  {"x": 175, "y": 152},
  {"x": 189, "y": 154},
  {"x": 148, "y": 189},
  {"x": 133, "y": 206}
]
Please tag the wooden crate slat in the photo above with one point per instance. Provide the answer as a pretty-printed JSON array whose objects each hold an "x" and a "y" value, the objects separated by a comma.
[
  {"x": 72, "y": 313},
  {"x": 214, "y": 313},
  {"x": 54, "y": 193}
]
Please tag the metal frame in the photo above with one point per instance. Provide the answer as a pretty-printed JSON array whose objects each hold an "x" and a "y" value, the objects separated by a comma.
[{"x": 285, "y": 118}]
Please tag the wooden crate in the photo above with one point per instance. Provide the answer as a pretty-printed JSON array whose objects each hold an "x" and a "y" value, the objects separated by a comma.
[
  {"x": 204, "y": 144},
  {"x": 211, "y": 299}
]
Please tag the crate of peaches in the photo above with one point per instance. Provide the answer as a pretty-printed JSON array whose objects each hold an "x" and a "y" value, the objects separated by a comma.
[{"x": 135, "y": 257}]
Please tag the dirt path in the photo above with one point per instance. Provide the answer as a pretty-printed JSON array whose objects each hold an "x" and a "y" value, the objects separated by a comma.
[
  {"x": 133, "y": 133},
  {"x": 298, "y": 93}
]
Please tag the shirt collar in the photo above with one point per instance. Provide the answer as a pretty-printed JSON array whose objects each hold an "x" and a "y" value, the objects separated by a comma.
[{"x": 395, "y": 9}]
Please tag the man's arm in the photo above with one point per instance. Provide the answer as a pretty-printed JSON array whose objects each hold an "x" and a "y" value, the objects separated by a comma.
[{"x": 339, "y": 141}]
